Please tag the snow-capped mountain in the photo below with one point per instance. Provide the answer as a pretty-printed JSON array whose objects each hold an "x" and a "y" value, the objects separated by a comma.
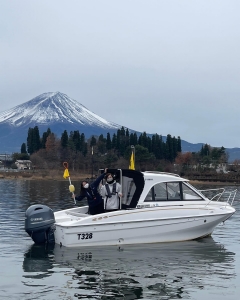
[
  {"x": 59, "y": 112},
  {"x": 50, "y": 108},
  {"x": 56, "y": 111}
]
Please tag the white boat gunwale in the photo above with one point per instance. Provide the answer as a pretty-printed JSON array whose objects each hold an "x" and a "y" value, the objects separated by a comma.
[{"x": 139, "y": 220}]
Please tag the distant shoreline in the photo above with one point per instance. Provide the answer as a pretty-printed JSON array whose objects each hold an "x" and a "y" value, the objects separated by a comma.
[
  {"x": 204, "y": 182},
  {"x": 57, "y": 175},
  {"x": 49, "y": 175}
]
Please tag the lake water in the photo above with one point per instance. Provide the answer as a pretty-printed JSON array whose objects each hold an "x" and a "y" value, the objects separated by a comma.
[{"x": 204, "y": 269}]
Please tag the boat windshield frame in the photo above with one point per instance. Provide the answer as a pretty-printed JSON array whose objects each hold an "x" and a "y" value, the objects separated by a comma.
[{"x": 173, "y": 191}]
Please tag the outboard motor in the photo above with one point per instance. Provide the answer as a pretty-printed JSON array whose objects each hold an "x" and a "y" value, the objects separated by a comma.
[{"x": 39, "y": 223}]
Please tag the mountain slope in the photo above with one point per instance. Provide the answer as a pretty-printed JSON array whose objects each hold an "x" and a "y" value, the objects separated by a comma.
[
  {"x": 51, "y": 108},
  {"x": 56, "y": 111}
]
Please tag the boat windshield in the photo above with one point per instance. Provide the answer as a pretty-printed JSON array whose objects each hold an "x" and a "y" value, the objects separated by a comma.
[
  {"x": 190, "y": 194},
  {"x": 171, "y": 191}
]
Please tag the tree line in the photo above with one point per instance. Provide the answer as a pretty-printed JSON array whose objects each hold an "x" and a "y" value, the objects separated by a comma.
[
  {"x": 208, "y": 158},
  {"x": 49, "y": 151},
  {"x": 152, "y": 152}
]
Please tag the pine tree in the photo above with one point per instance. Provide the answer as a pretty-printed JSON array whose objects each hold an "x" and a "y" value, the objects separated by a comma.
[
  {"x": 85, "y": 149},
  {"x": 101, "y": 138},
  {"x": 175, "y": 147},
  {"x": 144, "y": 140},
  {"x": 131, "y": 139},
  {"x": 64, "y": 139},
  {"x": 82, "y": 142},
  {"x": 101, "y": 144},
  {"x": 118, "y": 139},
  {"x": 109, "y": 143},
  {"x": 169, "y": 148},
  {"x": 44, "y": 138},
  {"x": 149, "y": 144},
  {"x": 140, "y": 140},
  {"x": 159, "y": 151},
  {"x": 154, "y": 144},
  {"x": 30, "y": 141},
  {"x": 23, "y": 148},
  {"x": 206, "y": 150},
  {"x": 202, "y": 151},
  {"x": 179, "y": 144},
  {"x": 71, "y": 144},
  {"x": 135, "y": 139},
  {"x": 114, "y": 141},
  {"x": 36, "y": 139},
  {"x": 93, "y": 141},
  {"x": 127, "y": 138},
  {"x": 33, "y": 140},
  {"x": 122, "y": 144},
  {"x": 77, "y": 140}
]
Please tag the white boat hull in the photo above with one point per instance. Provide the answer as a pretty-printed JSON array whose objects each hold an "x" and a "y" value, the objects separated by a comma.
[{"x": 140, "y": 226}]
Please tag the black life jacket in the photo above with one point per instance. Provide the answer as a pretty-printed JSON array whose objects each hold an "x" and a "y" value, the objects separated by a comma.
[{"x": 109, "y": 194}]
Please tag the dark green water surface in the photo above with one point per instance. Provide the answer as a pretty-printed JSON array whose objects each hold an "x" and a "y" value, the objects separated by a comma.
[{"x": 204, "y": 269}]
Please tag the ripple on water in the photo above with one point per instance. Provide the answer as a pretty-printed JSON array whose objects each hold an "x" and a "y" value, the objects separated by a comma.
[{"x": 187, "y": 270}]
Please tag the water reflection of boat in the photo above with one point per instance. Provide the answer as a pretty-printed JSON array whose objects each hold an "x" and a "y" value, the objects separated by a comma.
[
  {"x": 155, "y": 207},
  {"x": 159, "y": 269},
  {"x": 135, "y": 271},
  {"x": 38, "y": 261},
  {"x": 185, "y": 251}
]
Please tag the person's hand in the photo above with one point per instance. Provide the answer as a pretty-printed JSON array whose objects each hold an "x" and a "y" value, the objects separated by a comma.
[
  {"x": 73, "y": 195},
  {"x": 105, "y": 170},
  {"x": 120, "y": 195}
]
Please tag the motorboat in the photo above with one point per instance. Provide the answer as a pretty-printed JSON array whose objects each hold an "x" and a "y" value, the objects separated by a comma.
[{"x": 155, "y": 207}]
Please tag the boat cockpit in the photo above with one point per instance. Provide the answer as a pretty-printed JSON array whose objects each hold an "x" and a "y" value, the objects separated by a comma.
[
  {"x": 150, "y": 187},
  {"x": 132, "y": 184}
]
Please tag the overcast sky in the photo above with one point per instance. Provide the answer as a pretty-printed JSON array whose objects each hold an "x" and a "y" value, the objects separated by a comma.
[{"x": 166, "y": 67}]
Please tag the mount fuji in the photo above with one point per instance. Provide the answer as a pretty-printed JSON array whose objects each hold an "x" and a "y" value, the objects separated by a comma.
[
  {"x": 59, "y": 112},
  {"x": 56, "y": 111}
]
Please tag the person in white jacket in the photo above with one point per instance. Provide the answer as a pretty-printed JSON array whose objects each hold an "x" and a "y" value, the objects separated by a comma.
[{"x": 111, "y": 193}]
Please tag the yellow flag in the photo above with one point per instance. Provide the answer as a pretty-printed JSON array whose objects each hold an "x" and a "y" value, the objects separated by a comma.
[
  {"x": 66, "y": 174},
  {"x": 131, "y": 165}
]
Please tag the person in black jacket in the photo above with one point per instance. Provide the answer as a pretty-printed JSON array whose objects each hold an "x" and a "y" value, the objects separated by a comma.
[{"x": 90, "y": 191}]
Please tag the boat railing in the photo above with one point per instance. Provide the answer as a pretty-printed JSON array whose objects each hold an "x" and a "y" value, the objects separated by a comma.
[
  {"x": 163, "y": 173},
  {"x": 223, "y": 195},
  {"x": 211, "y": 193},
  {"x": 232, "y": 197}
]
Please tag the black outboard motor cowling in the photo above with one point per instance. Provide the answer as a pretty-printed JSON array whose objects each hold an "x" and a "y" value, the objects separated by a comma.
[{"x": 39, "y": 223}]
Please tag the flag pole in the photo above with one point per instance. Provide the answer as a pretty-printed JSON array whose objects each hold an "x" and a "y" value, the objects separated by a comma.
[
  {"x": 67, "y": 175},
  {"x": 92, "y": 162},
  {"x": 133, "y": 147}
]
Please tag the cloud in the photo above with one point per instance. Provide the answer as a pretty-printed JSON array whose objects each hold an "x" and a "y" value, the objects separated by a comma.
[{"x": 159, "y": 66}]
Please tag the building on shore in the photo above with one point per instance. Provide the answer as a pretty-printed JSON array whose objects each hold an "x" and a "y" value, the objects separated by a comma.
[{"x": 23, "y": 164}]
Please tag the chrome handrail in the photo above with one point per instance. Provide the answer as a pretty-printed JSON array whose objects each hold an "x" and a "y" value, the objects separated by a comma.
[
  {"x": 219, "y": 194},
  {"x": 230, "y": 199},
  {"x": 233, "y": 197}
]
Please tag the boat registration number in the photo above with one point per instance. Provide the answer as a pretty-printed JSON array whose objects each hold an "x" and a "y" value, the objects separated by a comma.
[{"x": 85, "y": 236}]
